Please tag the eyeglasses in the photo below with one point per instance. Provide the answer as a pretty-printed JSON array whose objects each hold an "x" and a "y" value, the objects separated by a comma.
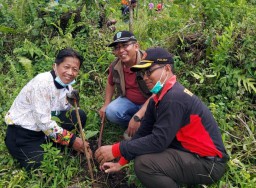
[
  {"x": 148, "y": 72},
  {"x": 122, "y": 45}
]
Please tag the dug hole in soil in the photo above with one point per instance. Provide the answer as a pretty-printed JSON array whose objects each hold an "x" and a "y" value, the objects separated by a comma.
[{"x": 102, "y": 179}]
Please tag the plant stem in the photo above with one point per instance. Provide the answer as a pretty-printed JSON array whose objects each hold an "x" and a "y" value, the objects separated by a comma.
[
  {"x": 101, "y": 130},
  {"x": 87, "y": 154}
]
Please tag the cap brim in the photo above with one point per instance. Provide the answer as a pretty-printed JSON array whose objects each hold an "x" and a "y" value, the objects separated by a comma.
[
  {"x": 121, "y": 41},
  {"x": 142, "y": 65},
  {"x": 112, "y": 44}
]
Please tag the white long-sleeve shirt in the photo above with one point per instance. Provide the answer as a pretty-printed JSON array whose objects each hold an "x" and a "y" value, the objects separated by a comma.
[{"x": 33, "y": 106}]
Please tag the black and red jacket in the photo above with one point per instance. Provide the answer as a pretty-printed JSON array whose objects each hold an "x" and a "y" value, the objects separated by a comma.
[{"x": 175, "y": 119}]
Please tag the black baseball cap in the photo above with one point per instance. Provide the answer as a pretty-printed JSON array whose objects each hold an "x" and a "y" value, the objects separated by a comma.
[
  {"x": 154, "y": 56},
  {"x": 122, "y": 36}
]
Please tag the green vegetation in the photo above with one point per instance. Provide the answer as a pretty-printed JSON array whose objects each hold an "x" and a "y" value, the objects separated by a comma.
[{"x": 213, "y": 43}]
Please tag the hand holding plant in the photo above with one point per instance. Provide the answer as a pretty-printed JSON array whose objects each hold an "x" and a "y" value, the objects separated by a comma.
[
  {"x": 78, "y": 145},
  {"x": 104, "y": 154},
  {"x": 73, "y": 96},
  {"x": 110, "y": 167},
  {"x": 102, "y": 111}
]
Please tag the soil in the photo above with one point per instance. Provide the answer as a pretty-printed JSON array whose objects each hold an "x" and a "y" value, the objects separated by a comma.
[{"x": 104, "y": 180}]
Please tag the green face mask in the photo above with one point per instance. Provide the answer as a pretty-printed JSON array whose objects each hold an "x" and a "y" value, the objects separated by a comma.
[{"x": 158, "y": 86}]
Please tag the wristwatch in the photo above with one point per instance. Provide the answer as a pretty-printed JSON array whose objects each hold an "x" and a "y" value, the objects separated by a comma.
[{"x": 136, "y": 118}]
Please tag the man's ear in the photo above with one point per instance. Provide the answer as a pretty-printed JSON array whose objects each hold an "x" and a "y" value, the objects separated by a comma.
[
  {"x": 168, "y": 67},
  {"x": 137, "y": 46}
]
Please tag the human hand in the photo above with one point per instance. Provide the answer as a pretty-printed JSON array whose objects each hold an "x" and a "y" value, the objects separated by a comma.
[
  {"x": 132, "y": 127},
  {"x": 102, "y": 111},
  {"x": 79, "y": 146},
  {"x": 104, "y": 154},
  {"x": 73, "y": 96},
  {"x": 109, "y": 167}
]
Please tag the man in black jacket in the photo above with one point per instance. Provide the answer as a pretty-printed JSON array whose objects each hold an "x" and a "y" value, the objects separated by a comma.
[{"x": 178, "y": 142}]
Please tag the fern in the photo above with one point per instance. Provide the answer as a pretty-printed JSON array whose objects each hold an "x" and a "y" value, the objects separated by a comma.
[
  {"x": 27, "y": 65},
  {"x": 225, "y": 44},
  {"x": 30, "y": 49},
  {"x": 248, "y": 83}
]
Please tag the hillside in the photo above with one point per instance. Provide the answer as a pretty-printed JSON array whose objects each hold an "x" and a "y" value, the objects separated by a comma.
[{"x": 213, "y": 43}]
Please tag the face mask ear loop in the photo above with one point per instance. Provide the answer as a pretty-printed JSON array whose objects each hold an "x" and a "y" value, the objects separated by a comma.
[
  {"x": 165, "y": 79},
  {"x": 161, "y": 78}
]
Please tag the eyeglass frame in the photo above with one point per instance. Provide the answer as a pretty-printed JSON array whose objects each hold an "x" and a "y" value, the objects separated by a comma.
[
  {"x": 149, "y": 71},
  {"x": 125, "y": 45}
]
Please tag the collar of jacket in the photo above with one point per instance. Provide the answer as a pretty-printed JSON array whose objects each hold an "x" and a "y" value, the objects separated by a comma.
[
  {"x": 57, "y": 85},
  {"x": 119, "y": 68}
]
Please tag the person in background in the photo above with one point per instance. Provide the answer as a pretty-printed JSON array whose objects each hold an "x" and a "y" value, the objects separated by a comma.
[
  {"x": 111, "y": 25},
  {"x": 125, "y": 9},
  {"x": 124, "y": 4},
  {"x": 151, "y": 8},
  {"x": 159, "y": 7},
  {"x": 178, "y": 142},
  {"x": 29, "y": 120},
  {"x": 127, "y": 110}
]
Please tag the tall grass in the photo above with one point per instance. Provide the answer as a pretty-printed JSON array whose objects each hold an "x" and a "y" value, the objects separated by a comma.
[{"x": 213, "y": 43}]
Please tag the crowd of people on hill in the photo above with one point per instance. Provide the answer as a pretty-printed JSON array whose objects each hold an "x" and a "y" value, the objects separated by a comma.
[{"x": 126, "y": 7}]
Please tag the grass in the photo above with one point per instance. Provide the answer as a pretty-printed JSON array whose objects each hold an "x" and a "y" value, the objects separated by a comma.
[{"x": 213, "y": 44}]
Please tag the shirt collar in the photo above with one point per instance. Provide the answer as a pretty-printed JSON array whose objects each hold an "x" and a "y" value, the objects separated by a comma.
[
  {"x": 167, "y": 86},
  {"x": 57, "y": 85}
]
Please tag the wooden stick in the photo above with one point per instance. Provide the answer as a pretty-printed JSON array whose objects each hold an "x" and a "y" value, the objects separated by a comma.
[
  {"x": 87, "y": 154},
  {"x": 130, "y": 17},
  {"x": 101, "y": 130}
]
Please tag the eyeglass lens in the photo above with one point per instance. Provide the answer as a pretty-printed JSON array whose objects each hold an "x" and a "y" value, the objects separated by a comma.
[
  {"x": 124, "y": 46},
  {"x": 148, "y": 72}
]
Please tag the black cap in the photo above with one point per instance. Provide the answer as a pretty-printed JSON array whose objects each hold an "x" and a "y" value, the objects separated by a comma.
[
  {"x": 154, "y": 56},
  {"x": 122, "y": 36}
]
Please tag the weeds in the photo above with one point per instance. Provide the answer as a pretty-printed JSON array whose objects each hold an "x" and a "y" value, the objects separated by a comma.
[{"x": 213, "y": 43}]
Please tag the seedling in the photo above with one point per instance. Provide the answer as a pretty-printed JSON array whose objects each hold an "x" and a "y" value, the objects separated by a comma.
[
  {"x": 86, "y": 151},
  {"x": 101, "y": 130}
]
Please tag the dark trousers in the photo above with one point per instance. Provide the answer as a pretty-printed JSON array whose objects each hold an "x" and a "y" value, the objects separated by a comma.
[
  {"x": 25, "y": 145},
  {"x": 172, "y": 168}
]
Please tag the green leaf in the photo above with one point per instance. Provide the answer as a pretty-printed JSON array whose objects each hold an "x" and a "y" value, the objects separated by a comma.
[
  {"x": 248, "y": 83},
  {"x": 90, "y": 134},
  {"x": 211, "y": 75},
  {"x": 5, "y": 29},
  {"x": 195, "y": 75}
]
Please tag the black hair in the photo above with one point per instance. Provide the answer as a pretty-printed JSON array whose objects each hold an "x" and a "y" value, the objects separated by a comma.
[{"x": 68, "y": 52}]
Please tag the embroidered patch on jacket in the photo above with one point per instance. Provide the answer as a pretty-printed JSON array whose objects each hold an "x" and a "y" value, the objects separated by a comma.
[{"x": 188, "y": 92}]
